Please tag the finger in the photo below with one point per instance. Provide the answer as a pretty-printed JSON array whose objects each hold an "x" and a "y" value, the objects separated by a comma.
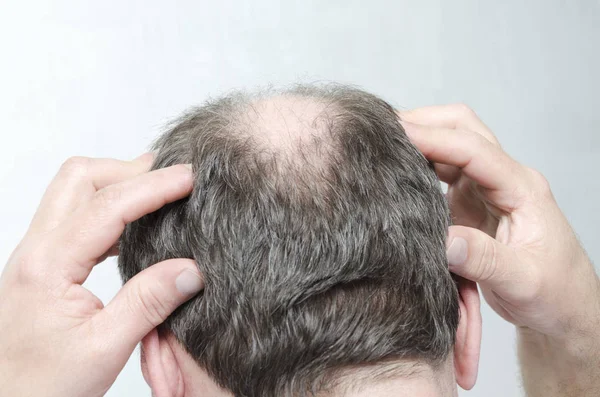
[
  {"x": 454, "y": 116},
  {"x": 480, "y": 160},
  {"x": 112, "y": 251},
  {"x": 447, "y": 173},
  {"x": 96, "y": 227},
  {"x": 476, "y": 256},
  {"x": 77, "y": 181},
  {"x": 145, "y": 302}
]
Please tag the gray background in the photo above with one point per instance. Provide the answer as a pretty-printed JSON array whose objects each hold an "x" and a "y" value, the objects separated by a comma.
[{"x": 102, "y": 79}]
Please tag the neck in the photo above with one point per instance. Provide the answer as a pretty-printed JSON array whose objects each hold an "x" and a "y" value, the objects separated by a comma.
[{"x": 426, "y": 382}]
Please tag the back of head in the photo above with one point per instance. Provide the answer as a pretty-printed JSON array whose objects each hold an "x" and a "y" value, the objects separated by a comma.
[{"x": 320, "y": 231}]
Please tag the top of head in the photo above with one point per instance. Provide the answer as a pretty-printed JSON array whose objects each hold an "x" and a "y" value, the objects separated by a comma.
[{"x": 320, "y": 230}]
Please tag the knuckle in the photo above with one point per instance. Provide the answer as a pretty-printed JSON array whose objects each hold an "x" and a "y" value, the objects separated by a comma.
[
  {"x": 464, "y": 110},
  {"x": 473, "y": 137},
  {"x": 27, "y": 269},
  {"x": 540, "y": 183},
  {"x": 29, "y": 264},
  {"x": 476, "y": 140},
  {"x": 75, "y": 166},
  {"x": 487, "y": 264},
  {"x": 146, "y": 301}
]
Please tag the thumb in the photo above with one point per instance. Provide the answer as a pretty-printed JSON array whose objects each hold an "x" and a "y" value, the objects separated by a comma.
[
  {"x": 147, "y": 300},
  {"x": 476, "y": 256}
]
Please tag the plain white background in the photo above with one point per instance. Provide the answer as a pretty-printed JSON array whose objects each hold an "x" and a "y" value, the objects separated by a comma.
[{"x": 102, "y": 78}]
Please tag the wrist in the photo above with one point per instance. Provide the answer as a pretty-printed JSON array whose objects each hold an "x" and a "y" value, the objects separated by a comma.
[
  {"x": 577, "y": 334},
  {"x": 553, "y": 367},
  {"x": 573, "y": 325},
  {"x": 578, "y": 346}
]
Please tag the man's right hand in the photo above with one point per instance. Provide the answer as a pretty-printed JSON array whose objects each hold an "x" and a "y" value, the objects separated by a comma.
[{"x": 510, "y": 237}]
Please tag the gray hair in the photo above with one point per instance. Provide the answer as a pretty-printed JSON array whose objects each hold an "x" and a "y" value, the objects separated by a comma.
[{"x": 321, "y": 256}]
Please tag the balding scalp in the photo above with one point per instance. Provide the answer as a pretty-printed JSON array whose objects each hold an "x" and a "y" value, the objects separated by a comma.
[{"x": 320, "y": 230}]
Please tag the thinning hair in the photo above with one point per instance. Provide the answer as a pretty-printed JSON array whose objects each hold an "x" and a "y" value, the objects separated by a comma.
[{"x": 320, "y": 231}]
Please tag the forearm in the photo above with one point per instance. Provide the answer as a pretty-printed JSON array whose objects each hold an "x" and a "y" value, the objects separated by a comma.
[
  {"x": 565, "y": 367},
  {"x": 550, "y": 369}
]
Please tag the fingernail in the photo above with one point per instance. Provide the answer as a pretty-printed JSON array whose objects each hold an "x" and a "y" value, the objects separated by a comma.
[
  {"x": 189, "y": 166},
  {"x": 188, "y": 283},
  {"x": 457, "y": 251}
]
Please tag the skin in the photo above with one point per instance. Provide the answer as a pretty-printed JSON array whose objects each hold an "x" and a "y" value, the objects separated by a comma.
[
  {"x": 57, "y": 338},
  {"x": 513, "y": 240},
  {"x": 509, "y": 236},
  {"x": 284, "y": 123},
  {"x": 171, "y": 372}
]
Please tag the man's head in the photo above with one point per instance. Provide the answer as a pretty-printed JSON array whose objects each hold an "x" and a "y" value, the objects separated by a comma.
[{"x": 320, "y": 231}]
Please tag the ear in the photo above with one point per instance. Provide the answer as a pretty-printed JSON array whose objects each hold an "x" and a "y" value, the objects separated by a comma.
[
  {"x": 468, "y": 335},
  {"x": 159, "y": 366}
]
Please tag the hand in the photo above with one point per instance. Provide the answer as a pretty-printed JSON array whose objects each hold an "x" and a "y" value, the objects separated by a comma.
[
  {"x": 57, "y": 338},
  {"x": 509, "y": 234}
]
